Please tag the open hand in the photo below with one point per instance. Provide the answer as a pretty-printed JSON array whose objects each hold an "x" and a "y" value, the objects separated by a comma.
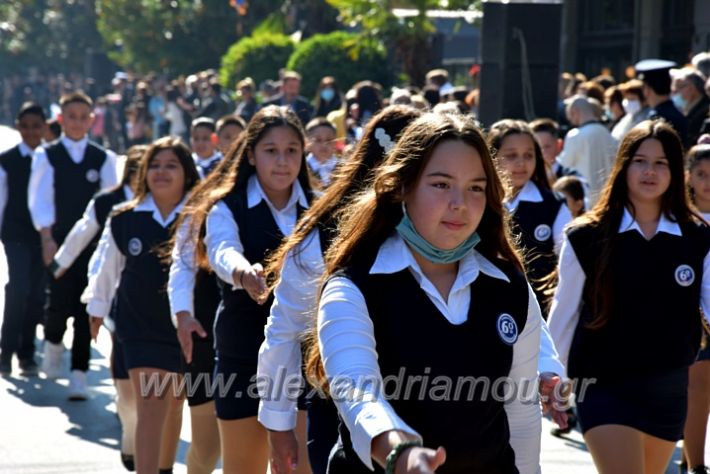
[
  {"x": 420, "y": 460},
  {"x": 186, "y": 325},
  {"x": 554, "y": 398},
  {"x": 283, "y": 452},
  {"x": 254, "y": 283}
]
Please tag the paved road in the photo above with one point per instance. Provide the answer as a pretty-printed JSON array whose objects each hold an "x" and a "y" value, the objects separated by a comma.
[{"x": 42, "y": 432}]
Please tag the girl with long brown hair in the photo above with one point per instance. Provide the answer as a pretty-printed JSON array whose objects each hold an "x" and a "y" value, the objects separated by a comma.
[
  {"x": 538, "y": 214},
  {"x": 296, "y": 267},
  {"x": 633, "y": 273},
  {"x": 133, "y": 270},
  {"x": 423, "y": 284},
  {"x": 238, "y": 223},
  {"x": 696, "y": 424}
]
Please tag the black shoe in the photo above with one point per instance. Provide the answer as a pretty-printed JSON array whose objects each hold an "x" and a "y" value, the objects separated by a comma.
[
  {"x": 128, "y": 462},
  {"x": 571, "y": 424},
  {"x": 29, "y": 368},
  {"x": 698, "y": 470},
  {"x": 5, "y": 367},
  {"x": 166, "y": 471}
]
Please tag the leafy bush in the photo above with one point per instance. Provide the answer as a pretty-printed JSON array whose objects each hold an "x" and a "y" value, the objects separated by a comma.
[
  {"x": 348, "y": 57},
  {"x": 259, "y": 57}
]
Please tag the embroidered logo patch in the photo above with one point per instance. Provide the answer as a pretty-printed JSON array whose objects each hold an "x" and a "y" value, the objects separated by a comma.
[
  {"x": 684, "y": 275},
  {"x": 135, "y": 246},
  {"x": 543, "y": 232},
  {"x": 507, "y": 329},
  {"x": 92, "y": 176}
]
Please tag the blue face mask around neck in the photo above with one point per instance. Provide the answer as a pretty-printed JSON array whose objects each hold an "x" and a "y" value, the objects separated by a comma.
[{"x": 406, "y": 230}]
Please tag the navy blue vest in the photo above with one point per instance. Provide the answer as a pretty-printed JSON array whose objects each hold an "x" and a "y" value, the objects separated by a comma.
[
  {"x": 239, "y": 328},
  {"x": 207, "y": 295},
  {"x": 143, "y": 310},
  {"x": 104, "y": 202},
  {"x": 74, "y": 184},
  {"x": 208, "y": 168},
  {"x": 17, "y": 223},
  {"x": 534, "y": 223},
  {"x": 655, "y": 321},
  {"x": 412, "y": 335}
]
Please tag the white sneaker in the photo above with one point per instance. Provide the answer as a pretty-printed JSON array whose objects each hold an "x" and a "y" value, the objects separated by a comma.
[
  {"x": 78, "y": 390},
  {"x": 52, "y": 361}
]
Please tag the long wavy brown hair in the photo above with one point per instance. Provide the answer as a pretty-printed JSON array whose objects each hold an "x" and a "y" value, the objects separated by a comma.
[
  {"x": 350, "y": 178},
  {"x": 372, "y": 217},
  {"x": 233, "y": 174},
  {"x": 607, "y": 213}
]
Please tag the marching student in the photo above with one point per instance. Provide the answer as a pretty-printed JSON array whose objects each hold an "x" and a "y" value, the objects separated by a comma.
[
  {"x": 204, "y": 145},
  {"x": 296, "y": 268},
  {"x": 132, "y": 270},
  {"x": 63, "y": 180},
  {"x": 194, "y": 297},
  {"x": 698, "y": 177},
  {"x": 320, "y": 144},
  {"x": 572, "y": 188},
  {"x": 538, "y": 214},
  {"x": 86, "y": 229},
  {"x": 406, "y": 279},
  {"x": 547, "y": 133},
  {"x": 633, "y": 274},
  {"x": 228, "y": 129},
  {"x": 694, "y": 434},
  {"x": 84, "y": 232},
  {"x": 24, "y": 293},
  {"x": 245, "y": 217}
]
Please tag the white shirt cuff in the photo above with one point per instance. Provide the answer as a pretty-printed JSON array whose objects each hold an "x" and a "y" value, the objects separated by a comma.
[
  {"x": 278, "y": 420},
  {"x": 373, "y": 420},
  {"x": 99, "y": 309}
]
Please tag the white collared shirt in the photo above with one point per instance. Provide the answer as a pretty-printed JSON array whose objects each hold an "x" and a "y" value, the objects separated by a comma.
[
  {"x": 83, "y": 231},
  {"x": 531, "y": 193},
  {"x": 41, "y": 188},
  {"x": 347, "y": 345},
  {"x": 292, "y": 314},
  {"x": 564, "y": 312},
  {"x": 27, "y": 153},
  {"x": 102, "y": 286},
  {"x": 183, "y": 269},
  {"x": 203, "y": 163},
  {"x": 224, "y": 246},
  {"x": 323, "y": 170}
]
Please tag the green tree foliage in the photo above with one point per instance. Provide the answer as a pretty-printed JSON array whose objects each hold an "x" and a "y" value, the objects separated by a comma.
[
  {"x": 259, "y": 57},
  {"x": 52, "y": 35},
  {"x": 346, "y": 56},
  {"x": 407, "y": 38},
  {"x": 167, "y": 35}
]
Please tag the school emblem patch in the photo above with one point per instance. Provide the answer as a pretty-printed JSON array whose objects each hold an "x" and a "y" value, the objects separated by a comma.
[
  {"x": 507, "y": 329},
  {"x": 135, "y": 246},
  {"x": 92, "y": 176},
  {"x": 542, "y": 232},
  {"x": 684, "y": 275}
]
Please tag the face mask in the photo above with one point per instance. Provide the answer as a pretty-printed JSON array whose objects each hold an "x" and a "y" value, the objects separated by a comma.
[
  {"x": 631, "y": 106},
  {"x": 327, "y": 94},
  {"x": 608, "y": 114},
  {"x": 679, "y": 101},
  {"x": 406, "y": 230}
]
